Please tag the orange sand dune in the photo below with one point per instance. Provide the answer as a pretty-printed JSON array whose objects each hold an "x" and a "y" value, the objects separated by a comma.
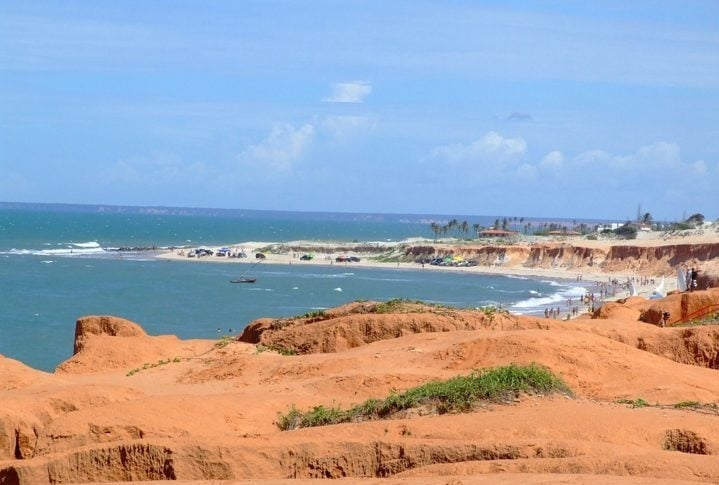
[{"x": 129, "y": 407}]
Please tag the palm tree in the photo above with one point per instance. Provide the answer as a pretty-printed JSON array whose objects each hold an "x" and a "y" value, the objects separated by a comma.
[
  {"x": 476, "y": 228},
  {"x": 465, "y": 228},
  {"x": 452, "y": 225},
  {"x": 435, "y": 229}
]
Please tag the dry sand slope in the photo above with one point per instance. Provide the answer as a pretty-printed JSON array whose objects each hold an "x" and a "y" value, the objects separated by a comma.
[{"x": 131, "y": 407}]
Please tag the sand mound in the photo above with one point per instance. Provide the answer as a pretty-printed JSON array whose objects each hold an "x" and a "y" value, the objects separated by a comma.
[
  {"x": 362, "y": 323},
  {"x": 643, "y": 410},
  {"x": 14, "y": 374}
]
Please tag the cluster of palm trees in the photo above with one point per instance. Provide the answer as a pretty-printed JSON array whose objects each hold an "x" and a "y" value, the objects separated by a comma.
[
  {"x": 460, "y": 230},
  {"x": 454, "y": 228},
  {"x": 457, "y": 229}
]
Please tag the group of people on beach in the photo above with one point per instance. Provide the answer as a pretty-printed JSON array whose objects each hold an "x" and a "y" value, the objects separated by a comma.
[{"x": 587, "y": 299}]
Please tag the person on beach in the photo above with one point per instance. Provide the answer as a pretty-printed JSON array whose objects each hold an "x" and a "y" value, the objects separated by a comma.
[
  {"x": 693, "y": 279},
  {"x": 665, "y": 319}
]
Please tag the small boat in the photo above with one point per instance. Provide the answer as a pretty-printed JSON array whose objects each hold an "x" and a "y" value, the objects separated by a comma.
[{"x": 244, "y": 280}]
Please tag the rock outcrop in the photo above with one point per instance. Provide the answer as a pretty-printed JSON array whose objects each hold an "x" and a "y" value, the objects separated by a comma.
[
  {"x": 107, "y": 342},
  {"x": 643, "y": 405}
]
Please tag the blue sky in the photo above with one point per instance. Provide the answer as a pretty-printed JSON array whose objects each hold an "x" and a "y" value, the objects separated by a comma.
[{"x": 517, "y": 108}]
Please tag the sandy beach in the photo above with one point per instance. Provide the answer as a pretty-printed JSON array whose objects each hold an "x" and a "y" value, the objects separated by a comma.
[{"x": 647, "y": 273}]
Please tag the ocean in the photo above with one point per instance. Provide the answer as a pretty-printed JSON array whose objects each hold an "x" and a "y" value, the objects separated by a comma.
[{"x": 60, "y": 262}]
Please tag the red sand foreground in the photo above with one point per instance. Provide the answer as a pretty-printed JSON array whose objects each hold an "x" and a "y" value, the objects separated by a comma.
[{"x": 131, "y": 407}]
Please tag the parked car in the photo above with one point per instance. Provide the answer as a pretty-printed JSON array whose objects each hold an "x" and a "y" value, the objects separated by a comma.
[
  {"x": 306, "y": 257},
  {"x": 260, "y": 256},
  {"x": 200, "y": 252}
]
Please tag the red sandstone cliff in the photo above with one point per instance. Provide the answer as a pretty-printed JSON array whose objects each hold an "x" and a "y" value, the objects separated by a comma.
[
  {"x": 209, "y": 412},
  {"x": 661, "y": 259}
]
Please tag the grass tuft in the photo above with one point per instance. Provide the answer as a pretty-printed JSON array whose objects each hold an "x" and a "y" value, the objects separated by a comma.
[
  {"x": 390, "y": 306},
  {"x": 458, "y": 394},
  {"x": 688, "y": 404},
  {"x": 636, "y": 403}
]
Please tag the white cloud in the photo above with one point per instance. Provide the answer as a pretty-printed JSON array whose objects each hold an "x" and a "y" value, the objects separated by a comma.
[
  {"x": 660, "y": 154},
  {"x": 492, "y": 147},
  {"x": 657, "y": 156},
  {"x": 553, "y": 160},
  {"x": 282, "y": 147},
  {"x": 349, "y": 92}
]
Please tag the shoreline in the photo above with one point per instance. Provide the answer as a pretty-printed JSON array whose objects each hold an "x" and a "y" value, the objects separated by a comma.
[
  {"x": 603, "y": 267},
  {"x": 583, "y": 277}
]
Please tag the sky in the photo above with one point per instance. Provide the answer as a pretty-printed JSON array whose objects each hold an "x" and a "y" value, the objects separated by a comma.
[{"x": 595, "y": 109}]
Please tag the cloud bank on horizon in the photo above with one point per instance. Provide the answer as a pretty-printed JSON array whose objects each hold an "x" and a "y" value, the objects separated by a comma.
[{"x": 567, "y": 109}]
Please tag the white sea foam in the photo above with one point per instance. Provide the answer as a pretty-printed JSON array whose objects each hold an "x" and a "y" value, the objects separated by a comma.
[
  {"x": 540, "y": 301},
  {"x": 61, "y": 249},
  {"x": 516, "y": 277},
  {"x": 89, "y": 244}
]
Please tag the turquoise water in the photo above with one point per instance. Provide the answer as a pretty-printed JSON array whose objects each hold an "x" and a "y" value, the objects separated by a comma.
[{"x": 55, "y": 268}]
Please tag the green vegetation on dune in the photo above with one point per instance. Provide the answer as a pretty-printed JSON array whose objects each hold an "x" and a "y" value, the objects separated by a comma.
[
  {"x": 710, "y": 319},
  {"x": 397, "y": 305},
  {"x": 458, "y": 394},
  {"x": 712, "y": 408}
]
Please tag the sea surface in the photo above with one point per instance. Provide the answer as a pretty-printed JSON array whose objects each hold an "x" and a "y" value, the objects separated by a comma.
[{"x": 59, "y": 263}]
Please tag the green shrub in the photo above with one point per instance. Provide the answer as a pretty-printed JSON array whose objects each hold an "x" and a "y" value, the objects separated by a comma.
[
  {"x": 636, "y": 403},
  {"x": 458, "y": 394},
  {"x": 688, "y": 404}
]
